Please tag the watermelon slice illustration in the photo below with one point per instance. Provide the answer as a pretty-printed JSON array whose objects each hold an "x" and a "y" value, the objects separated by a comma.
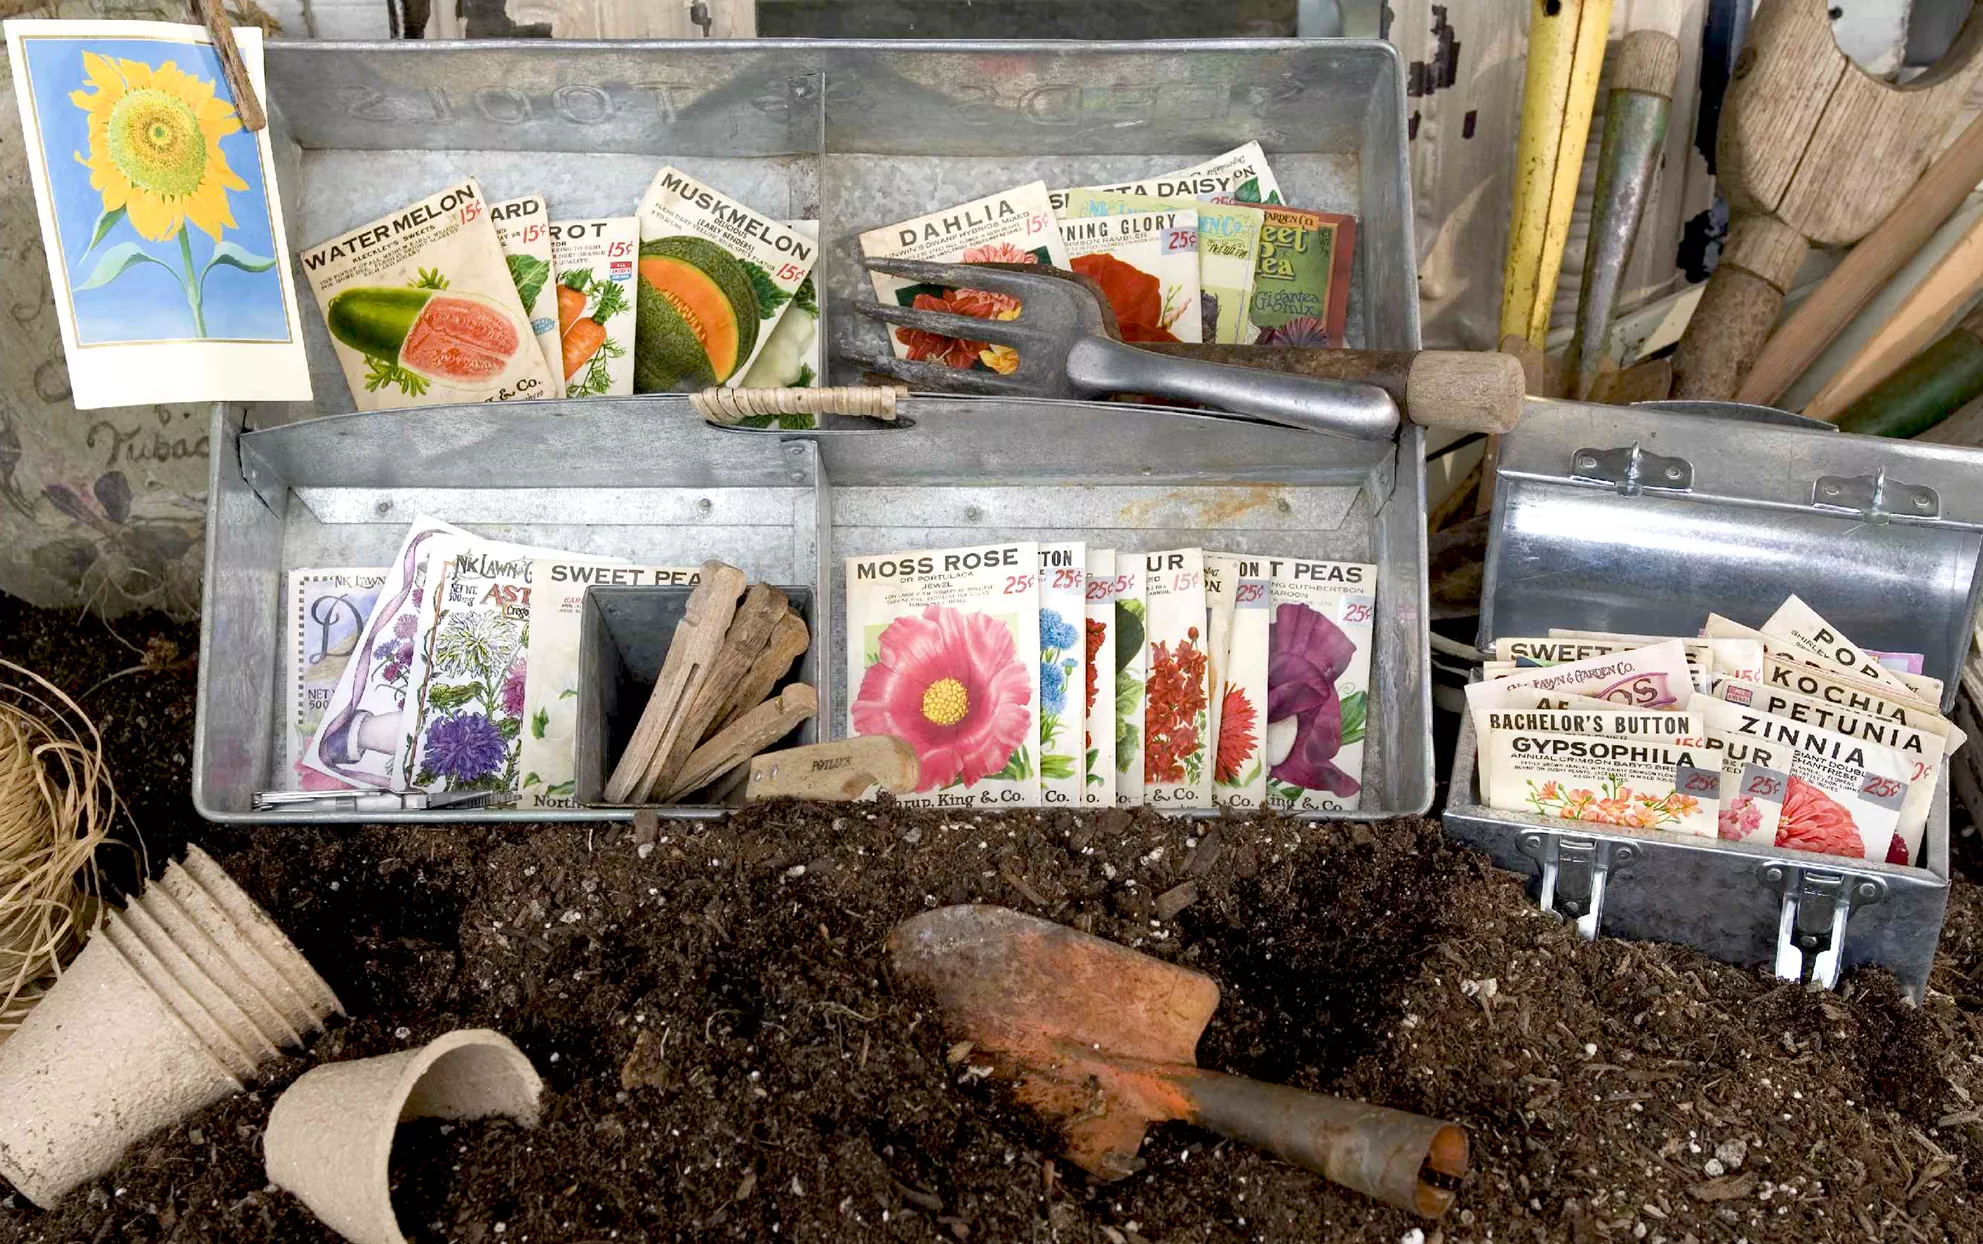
[{"x": 460, "y": 340}]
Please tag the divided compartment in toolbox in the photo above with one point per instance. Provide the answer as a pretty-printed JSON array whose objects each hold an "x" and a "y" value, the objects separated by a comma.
[{"x": 1643, "y": 521}]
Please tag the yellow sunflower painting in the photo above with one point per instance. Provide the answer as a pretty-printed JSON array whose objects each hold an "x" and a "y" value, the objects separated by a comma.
[{"x": 154, "y": 148}]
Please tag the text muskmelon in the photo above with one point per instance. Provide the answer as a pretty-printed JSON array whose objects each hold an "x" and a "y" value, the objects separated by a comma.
[{"x": 696, "y": 316}]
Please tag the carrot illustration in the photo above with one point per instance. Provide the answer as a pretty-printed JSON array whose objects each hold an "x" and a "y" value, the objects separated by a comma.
[
  {"x": 581, "y": 341},
  {"x": 571, "y": 304}
]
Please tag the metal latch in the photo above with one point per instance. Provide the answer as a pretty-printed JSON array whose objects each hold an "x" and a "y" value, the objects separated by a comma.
[
  {"x": 1574, "y": 873},
  {"x": 1810, "y": 927},
  {"x": 1631, "y": 470},
  {"x": 1876, "y": 497}
]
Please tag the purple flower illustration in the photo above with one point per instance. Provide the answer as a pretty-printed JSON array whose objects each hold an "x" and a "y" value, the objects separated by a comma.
[
  {"x": 402, "y": 626},
  {"x": 392, "y": 671},
  {"x": 405, "y": 654},
  {"x": 1303, "y": 330},
  {"x": 513, "y": 691},
  {"x": 464, "y": 748}
]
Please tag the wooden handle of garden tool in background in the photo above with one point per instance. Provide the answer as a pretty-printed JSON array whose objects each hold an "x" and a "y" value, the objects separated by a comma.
[
  {"x": 1379, "y": 1152},
  {"x": 1738, "y": 309},
  {"x": 1464, "y": 390}
]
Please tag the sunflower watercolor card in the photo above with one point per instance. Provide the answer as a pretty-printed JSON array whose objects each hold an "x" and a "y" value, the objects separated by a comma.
[{"x": 160, "y": 216}]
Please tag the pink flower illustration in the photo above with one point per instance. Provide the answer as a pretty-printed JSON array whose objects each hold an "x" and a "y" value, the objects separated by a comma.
[
  {"x": 1814, "y": 821},
  {"x": 512, "y": 694},
  {"x": 951, "y": 685},
  {"x": 1738, "y": 818}
]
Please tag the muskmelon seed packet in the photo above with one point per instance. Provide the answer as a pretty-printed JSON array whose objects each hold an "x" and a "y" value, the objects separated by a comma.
[
  {"x": 1147, "y": 265},
  {"x": 1240, "y": 175},
  {"x": 595, "y": 297},
  {"x": 1228, "y": 249},
  {"x": 423, "y": 310},
  {"x": 792, "y": 358},
  {"x": 523, "y": 226},
  {"x": 715, "y": 277}
]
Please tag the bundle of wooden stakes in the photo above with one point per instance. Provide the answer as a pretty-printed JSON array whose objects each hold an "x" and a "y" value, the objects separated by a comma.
[{"x": 709, "y": 712}]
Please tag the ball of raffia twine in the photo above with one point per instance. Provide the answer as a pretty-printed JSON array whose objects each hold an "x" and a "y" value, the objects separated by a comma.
[{"x": 56, "y": 809}]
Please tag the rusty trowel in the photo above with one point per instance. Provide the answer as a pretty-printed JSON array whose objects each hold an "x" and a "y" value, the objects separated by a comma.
[{"x": 1102, "y": 1043}]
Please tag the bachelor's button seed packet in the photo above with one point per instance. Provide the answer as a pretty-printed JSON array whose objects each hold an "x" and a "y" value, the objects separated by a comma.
[
  {"x": 792, "y": 359},
  {"x": 1146, "y": 264},
  {"x": 943, "y": 653},
  {"x": 423, "y": 311},
  {"x": 1132, "y": 669},
  {"x": 1099, "y": 720},
  {"x": 1630, "y": 783},
  {"x": 1843, "y": 795},
  {"x": 595, "y": 312},
  {"x": 323, "y": 621},
  {"x": 714, "y": 277},
  {"x": 1228, "y": 250},
  {"x": 1241, "y": 175},
  {"x": 1609, "y": 722},
  {"x": 1177, "y": 772},
  {"x": 1063, "y": 672},
  {"x": 523, "y": 226},
  {"x": 1318, "y": 680},
  {"x": 1653, "y": 677},
  {"x": 1301, "y": 280}
]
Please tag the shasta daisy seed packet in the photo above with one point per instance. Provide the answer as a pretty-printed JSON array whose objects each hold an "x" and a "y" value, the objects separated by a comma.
[
  {"x": 523, "y": 226},
  {"x": 1176, "y": 701},
  {"x": 594, "y": 260},
  {"x": 1318, "y": 679},
  {"x": 1063, "y": 672},
  {"x": 1099, "y": 723},
  {"x": 1146, "y": 264},
  {"x": 1241, "y": 175}
]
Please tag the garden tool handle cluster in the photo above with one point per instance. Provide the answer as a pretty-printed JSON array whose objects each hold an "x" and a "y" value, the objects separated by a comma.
[
  {"x": 1460, "y": 390},
  {"x": 1336, "y": 407}
]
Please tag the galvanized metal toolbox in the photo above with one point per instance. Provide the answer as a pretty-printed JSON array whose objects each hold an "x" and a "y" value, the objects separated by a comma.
[
  {"x": 857, "y": 135},
  {"x": 1642, "y": 521}
]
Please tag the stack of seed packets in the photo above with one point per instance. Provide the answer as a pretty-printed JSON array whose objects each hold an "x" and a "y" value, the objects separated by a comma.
[
  {"x": 1788, "y": 735},
  {"x": 1191, "y": 678}
]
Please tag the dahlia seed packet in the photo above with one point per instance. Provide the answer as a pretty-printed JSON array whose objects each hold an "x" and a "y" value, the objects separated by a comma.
[
  {"x": 1629, "y": 783},
  {"x": 1301, "y": 280},
  {"x": 551, "y": 676},
  {"x": 1099, "y": 722},
  {"x": 714, "y": 278},
  {"x": 943, "y": 653},
  {"x": 523, "y": 226},
  {"x": 1063, "y": 672},
  {"x": 1014, "y": 226},
  {"x": 1177, "y": 711},
  {"x": 1239, "y": 765},
  {"x": 1318, "y": 678},
  {"x": 791, "y": 359},
  {"x": 1147, "y": 265},
  {"x": 160, "y": 218},
  {"x": 594, "y": 311},
  {"x": 1132, "y": 670},
  {"x": 1228, "y": 249},
  {"x": 1241, "y": 175},
  {"x": 423, "y": 311},
  {"x": 323, "y": 619},
  {"x": 1843, "y": 795}
]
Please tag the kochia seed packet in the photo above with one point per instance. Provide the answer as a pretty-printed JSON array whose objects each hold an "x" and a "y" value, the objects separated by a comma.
[
  {"x": 1177, "y": 714},
  {"x": 943, "y": 652},
  {"x": 523, "y": 226},
  {"x": 1632, "y": 783},
  {"x": 1099, "y": 789},
  {"x": 714, "y": 278},
  {"x": 1301, "y": 279},
  {"x": 594, "y": 260},
  {"x": 423, "y": 310},
  {"x": 1147, "y": 265},
  {"x": 1318, "y": 680},
  {"x": 323, "y": 619},
  {"x": 1228, "y": 249}
]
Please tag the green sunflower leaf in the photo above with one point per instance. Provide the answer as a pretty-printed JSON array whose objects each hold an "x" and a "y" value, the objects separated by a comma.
[
  {"x": 115, "y": 261},
  {"x": 104, "y": 224}
]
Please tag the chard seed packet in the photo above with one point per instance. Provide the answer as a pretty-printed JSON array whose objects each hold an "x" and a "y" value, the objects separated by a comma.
[
  {"x": 1177, "y": 710},
  {"x": 323, "y": 620},
  {"x": 715, "y": 277},
  {"x": 1147, "y": 265},
  {"x": 792, "y": 359},
  {"x": 1063, "y": 672},
  {"x": 1841, "y": 796},
  {"x": 1239, "y": 770},
  {"x": 1132, "y": 669},
  {"x": 1301, "y": 279},
  {"x": 523, "y": 226},
  {"x": 1632, "y": 783},
  {"x": 1228, "y": 250},
  {"x": 423, "y": 311},
  {"x": 551, "y": 675},
  {"x": 943, "y": 653},
  {"x": 594, "y": 260},
  {"x": 1013, "y": 226},
  {"x": 1099, "y": 791},
  {"x": 1241, "y": 175},
  {"x": 1318, "y": 679}
]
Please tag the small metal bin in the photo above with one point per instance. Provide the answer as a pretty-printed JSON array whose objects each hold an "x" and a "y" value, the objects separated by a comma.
[{"x": 1642, "y": 521}]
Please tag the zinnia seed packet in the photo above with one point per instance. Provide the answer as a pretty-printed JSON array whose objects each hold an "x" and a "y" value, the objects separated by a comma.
[
  {"x": 1177, "y": 714},
  {"x": 1241, "y": 175},
  {"x": 1147, "y": 265},
  {"x": 523, "y": 226},
  {"x": 1228, "y": 249},
  {"x": 594, "y": 315},
  {"x": 792, "y": 359},
  {"x": 1239, "y": 764},
  {"x": 545, "y": 756},
  {"x": 1132, "y": 670},
  {"x": 1621, "y": 782},
  {"x": 943, "y": 653},
  {"x": 1318, "y": 680},
  {"x": 714, "y": 278},
  {"x": 1063, "y": 672},
  {"x": 1013, "y": 226},
  {"x": 1301, "y": 279},
  {"x": 1099, "y": 721},
  {"x": 423, "y": 311},
  {"x": 323, "y": 620},
  {"x": 1843, "y": 796}
]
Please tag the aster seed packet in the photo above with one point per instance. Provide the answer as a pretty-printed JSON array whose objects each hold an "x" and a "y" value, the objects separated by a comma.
[
  {"x": 1177, "y": 714},
  {"x": 1099, "y": 722},
  {"x": 323, "y": 620},
  {"x": 1132, "y": 670},
  {"x": 943, "y": 653},
  {"x": 1228, "y": 249},
  {"x": 1318, "y": 680},
  {"x": 1630, "y": 783},
  {"x": 1146, "y": 264},
  {"x": 1063, "y": 672},
  {"x": 523, "y": 226}
]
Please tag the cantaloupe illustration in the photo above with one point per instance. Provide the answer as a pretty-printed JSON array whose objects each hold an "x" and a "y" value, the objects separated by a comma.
[
  {"x": 461, "y": 340},
  {"x": 695, "y": 318}
]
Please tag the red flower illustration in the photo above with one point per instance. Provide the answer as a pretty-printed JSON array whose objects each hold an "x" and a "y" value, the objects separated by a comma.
[
  {"x": 1237, "y": 741},
  {"x": 1814, "y": 821},
  {"x": 1136, "y": 297},
  {"x": 1096, "y": 633},
  {"x": 1176, "y": 695},
  {"x": 950, "y": 685},
  {"x": 950, "y": 351}
]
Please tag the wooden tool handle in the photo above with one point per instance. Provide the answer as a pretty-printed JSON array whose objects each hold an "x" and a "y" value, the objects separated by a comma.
[
  {"x": 1738, "y": 308},
  {"x": 247, "y": 105},
  {"x": 1464, "y": 390},
  {"x": 1927, "y": 389}
]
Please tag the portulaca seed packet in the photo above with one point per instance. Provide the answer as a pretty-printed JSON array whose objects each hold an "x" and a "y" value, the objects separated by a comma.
[{"x": 1099, "y": 790}]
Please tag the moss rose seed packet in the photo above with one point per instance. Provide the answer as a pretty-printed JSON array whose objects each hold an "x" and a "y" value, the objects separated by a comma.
[
  {"x": 1063, "y": 672},
  {"x": 1146, "y": 263},
  {"x": 423, "y": 310},
  {"x": 1318, "y": 680},
  {"x": 594, "y": 260},
  {"x": 1099, "y": 789},
  {"x": 523, "y": 226},
  {"x": 943, "y": 652},
  {"x": 1177, "y": 715},
  {"x": 715, "y": 277},
  {"x": 1013, "y": 226}
]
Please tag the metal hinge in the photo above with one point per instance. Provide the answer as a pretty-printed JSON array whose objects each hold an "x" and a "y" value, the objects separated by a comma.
[
  {"x": 1876, "y": 497},
  {"x": 1631, "y": 470},
  {"x": 1810, "y": 928},
  {"x": 1575, "y": 872}
]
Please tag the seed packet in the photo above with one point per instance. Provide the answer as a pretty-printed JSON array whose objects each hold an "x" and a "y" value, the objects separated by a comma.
[
  {"x": 1063, "y": 672},
  {"x": 1014, "y": 226},
  {"x": 942, "y": 653},
  {"x": 422, "y": 308},
  {"x": 323, "y": 618},
  {"x": 1132, "y": 671},
  {"x": 1843, "y": 795},
  {"x": 791, "y": 359},
  {"x": 1147, "y": 265},
  {"x": 1318, "y": 678},
  {"x": 1239, "y": 767},
  {"x": 1629, "y": 783},
  {"x": 551, "y": 678},
  {"x": 1221, "y": 592},
  {"x": 714, "y": 278},
  {"x": 1730, "y": 657},
  {"x": 1301, "y": 281},
  {"x": 1099, "y": 789},
  {"x": 1228, "y": 249},
  {"x": 523, "y": 226},
  {"x": 1530, "y": 697},
  {"x": 1798, "y": 625},
  {"x": 1241, "y": 175},
  {"x": 1655, "y": 676},
  {"x": 1176, "y": 693},
  {"x": 1608, "y": 721},
  {"x": 595, "y": 304}
]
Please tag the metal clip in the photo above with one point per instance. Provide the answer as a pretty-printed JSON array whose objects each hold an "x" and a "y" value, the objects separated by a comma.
[
  {"x": 1632, "y": 470},
  {"x": 1875, "y": 496},
  {"x": 1810, "y": 928},
  {"x": 1575, "y": 872}
]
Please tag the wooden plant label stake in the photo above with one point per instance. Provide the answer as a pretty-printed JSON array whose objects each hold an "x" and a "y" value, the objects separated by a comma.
[
  {"x": 750, "y": 629},
  {"x": 845, "y": 769},
  {"x": 744, "y": 738},
  {"x": 789, "y": 641},
  {"x": 697, "y": 637}
]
